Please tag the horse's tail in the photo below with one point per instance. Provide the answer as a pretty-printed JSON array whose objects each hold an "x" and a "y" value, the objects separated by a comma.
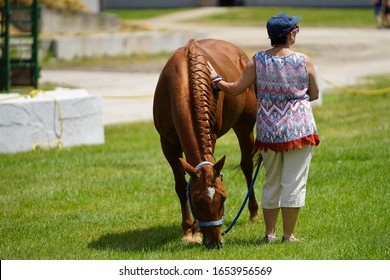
[{"x": 204, "y": 102}]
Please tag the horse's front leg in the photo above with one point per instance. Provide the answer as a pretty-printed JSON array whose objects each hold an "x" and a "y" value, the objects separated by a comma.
[{"x": 191, "y": 232}]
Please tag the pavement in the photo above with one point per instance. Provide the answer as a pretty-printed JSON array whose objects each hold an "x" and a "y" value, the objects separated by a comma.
[
  {"x": 125, "y": 96},
  {"x": 342, "y": 56}
]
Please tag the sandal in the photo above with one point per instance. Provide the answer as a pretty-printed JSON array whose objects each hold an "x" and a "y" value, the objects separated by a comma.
[
  {"x": 292, "y": 239},
  {"x": 270, "y": 239}
]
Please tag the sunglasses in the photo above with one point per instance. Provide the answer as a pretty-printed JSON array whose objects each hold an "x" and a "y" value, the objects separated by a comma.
[{"x": 295, "y": 30}]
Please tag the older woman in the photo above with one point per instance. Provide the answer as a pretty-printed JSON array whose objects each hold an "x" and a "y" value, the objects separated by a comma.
[{"x": 286, "y": 130}]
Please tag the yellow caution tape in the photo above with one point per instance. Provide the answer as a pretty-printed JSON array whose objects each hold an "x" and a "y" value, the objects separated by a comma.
[
  {"x": 32, "y": 94},
  {"x": 126, "y": 96},
  {"x": 57, "y": 143}
]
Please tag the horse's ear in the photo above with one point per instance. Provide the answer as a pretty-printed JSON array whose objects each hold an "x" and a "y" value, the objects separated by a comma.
[
  {"x": 219, "y": 165},
  {"x": 188, "y": 169}
]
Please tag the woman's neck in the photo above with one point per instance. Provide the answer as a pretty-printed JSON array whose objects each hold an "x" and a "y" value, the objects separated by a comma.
[
  {"x": 284, "y": 46},
  {"x": 280, "y": 50}
]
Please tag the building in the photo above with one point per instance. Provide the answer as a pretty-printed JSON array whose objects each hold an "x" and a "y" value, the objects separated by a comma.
[{"x": 93, "y": 5}]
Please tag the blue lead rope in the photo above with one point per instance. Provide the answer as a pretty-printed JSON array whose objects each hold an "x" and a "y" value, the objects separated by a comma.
[{"x": 246, "y": 198}]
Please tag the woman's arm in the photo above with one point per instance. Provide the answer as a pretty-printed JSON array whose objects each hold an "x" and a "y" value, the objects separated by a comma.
[
  {"x": 244, "y": 81},
  {"x": 313, "y": 90}
]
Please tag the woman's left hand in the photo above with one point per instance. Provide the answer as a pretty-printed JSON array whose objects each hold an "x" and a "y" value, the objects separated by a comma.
[{"x": 215, "y": 78}]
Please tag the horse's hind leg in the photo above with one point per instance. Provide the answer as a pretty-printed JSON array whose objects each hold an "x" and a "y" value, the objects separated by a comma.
[
  {"x": 172, "y": 153},
  {"x": 244, "y": 134}
]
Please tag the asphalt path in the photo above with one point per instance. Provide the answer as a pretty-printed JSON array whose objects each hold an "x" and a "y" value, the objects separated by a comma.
[{"x": 342, "y": 56}]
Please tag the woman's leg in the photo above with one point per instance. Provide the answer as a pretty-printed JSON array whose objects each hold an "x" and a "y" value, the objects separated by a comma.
[
  {"x": 290, "y": 217},
  {"x": 270, "y": 219},
  {"x": 294, "y": 178},
  {"x": 270, "y": 199}
]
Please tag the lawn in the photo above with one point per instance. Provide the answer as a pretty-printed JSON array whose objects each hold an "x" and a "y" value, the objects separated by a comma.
[
  {"x": 140, "y": 14},
  {"x": 117, "y": 200},
  {"x": 331, "y": 17}
]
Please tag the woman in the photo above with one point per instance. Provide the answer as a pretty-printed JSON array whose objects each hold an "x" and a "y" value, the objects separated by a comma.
[
  {"x": 386, "y": 11},
  {"x": 286, "y": 131},
  {"x": 378, "y": 12}
]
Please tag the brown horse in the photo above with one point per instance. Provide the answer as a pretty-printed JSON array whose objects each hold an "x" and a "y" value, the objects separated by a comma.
[{"x": 189, "y": 118}]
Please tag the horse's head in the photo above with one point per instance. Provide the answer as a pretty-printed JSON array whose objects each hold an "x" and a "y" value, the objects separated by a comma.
[{"x": 206, "y": 196}]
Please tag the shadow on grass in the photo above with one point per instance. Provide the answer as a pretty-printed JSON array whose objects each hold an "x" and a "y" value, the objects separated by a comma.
[
  {"x": 149, "y": 239},
  {"x": 248, "y": 242}
]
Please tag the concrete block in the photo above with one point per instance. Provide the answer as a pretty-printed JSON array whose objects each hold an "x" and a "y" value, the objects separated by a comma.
[
  {"x": 81, "y": 22},
  {"x": 58, "y": 118},
  {"x": 111, "y": 44}
]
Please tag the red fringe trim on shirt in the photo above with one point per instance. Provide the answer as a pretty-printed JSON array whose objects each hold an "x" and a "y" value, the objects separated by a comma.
[{"x": 284, "y": 147}]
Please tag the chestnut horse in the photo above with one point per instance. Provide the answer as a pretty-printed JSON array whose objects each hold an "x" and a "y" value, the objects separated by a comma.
[{"x": 190, "y": 117}]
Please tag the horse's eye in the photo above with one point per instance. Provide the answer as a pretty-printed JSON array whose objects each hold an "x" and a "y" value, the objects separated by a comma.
[{"x": 197, "y": 201}]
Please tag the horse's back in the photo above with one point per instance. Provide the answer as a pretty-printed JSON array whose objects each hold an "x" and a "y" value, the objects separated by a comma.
[{"x": 229, "y": 61}]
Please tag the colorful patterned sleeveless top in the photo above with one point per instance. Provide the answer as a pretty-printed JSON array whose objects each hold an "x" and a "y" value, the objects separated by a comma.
[{"x": 284, "y": 116}]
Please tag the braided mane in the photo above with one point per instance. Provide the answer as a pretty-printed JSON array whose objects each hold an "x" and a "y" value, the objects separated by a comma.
[{"x": 203, "y": 101}]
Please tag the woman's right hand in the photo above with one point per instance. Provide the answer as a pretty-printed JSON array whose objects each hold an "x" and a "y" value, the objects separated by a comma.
[{"x": 213, "y": 73}]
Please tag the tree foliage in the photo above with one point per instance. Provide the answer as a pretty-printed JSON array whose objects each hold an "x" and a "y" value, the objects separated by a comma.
[{"x": 70, "y": 5}]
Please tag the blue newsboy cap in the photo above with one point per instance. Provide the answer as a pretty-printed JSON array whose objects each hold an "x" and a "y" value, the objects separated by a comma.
[{"x": 281, "y": 24}]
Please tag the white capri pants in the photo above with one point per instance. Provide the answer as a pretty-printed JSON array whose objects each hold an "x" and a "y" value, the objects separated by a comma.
[{"x": 286, "y": 177}]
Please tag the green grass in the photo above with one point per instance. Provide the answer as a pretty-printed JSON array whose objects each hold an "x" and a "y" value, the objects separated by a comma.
[
  {"x": 139, "y": 14},
  {"x": 117, "y": 200},
  {"x": 332, "y": 17},
  {"x": 101, "y": 62}
]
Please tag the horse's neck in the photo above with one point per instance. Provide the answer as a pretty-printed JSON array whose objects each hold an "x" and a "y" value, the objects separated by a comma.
[
  {"x": 200, "y": 140},
  {"x": 200, "y": 149},
  {"x": 203, "y": 104}
]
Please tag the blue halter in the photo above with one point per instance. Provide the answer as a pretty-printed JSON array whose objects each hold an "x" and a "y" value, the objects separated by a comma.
[{"x": 197, "y": 222}]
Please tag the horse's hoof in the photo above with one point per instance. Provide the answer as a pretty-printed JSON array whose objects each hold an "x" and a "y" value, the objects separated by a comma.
[
  {"x": 186, "y": 238},
  {"x": 254, "y": 218},
  {"x": 197, "y": 238},
  {"x": 192, "y": 239}
]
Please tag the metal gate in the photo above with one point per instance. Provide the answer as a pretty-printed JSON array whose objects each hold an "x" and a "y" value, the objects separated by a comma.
[{"x": 19, "y": 65}]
